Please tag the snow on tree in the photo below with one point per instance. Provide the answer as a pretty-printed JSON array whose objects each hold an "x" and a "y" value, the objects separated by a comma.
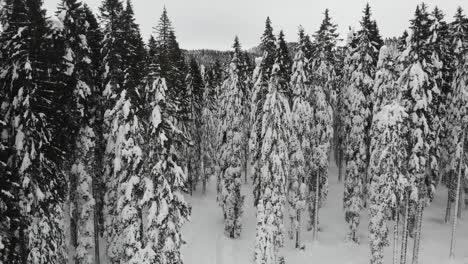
[
  {"x": 275, "y": 167},
  {"x": 417, "y": 88},
  {"x": 194, "y": 125},
  {"x": 459, "y": 120},
  {"x": 260, "y": 79},
  {"x": 361, "y": 72},
  {"x": 388, "y": 155},
  {"x": 300, "y": 144},
  {"x": 172, "y": 66},
  {"x": 325, "y": 58},
  {"x": 232, "y": 139},
  {"x": 80, "y": 75},
  {"x": 322, "y": 134},
  {"x": 459, "y": 44},
  {"x": 33, "y": 142},
  {"x": 164, "y": 179},
  {"x": 442, "y": 75}
]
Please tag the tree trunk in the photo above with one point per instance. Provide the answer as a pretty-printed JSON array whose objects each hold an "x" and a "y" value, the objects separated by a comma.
[
  {"x": 448, "y": 208},
  {"x": 316, "y": 206},
  {"x": 96, "y": 224},
  {"x": 417, "y": 235},
  {"x": 204, "y": 175},
  {"x": 404, "y": 234},
  {"x": 246, "y": 161},
  {"x": 395, "y": 237},
  {"x": 340, "y": 166},
  {"x": 298, "y": 229},
  {"x": 455, "y": 218},
  {"x": 461, "y": 199}
]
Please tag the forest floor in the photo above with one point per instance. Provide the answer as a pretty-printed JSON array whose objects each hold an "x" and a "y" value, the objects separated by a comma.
[{"x": 207, "y": 243}]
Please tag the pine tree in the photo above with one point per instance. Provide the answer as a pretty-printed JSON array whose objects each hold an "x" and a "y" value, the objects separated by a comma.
[
  {"x": 388, "y": 156},
  {"x": 275, "y": 169},
  {"x": 260, "y": 79},
  {"x": 36, "y": 185},
  {"x": 300, "y": 146},
  {"x": 232, "y": 138}
]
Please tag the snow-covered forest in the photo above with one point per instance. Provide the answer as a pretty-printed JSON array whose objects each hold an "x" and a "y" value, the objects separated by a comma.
[{"x": 116, "y": 149}]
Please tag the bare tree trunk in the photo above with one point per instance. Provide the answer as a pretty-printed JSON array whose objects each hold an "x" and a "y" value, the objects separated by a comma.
[
  {"x": 404, "y": 235},
  {"x": 246, "y": 161},
  {"x": 340, "y": 166},
  {"x": 417, "y": 235},
  {"x": 203, "y": 170},
  {"x": 316, "y": 209},
  {"x": 96, "y": 225},
  {"x": 395, "y": 237},
  {"x": 298, "y": 229},
  {"x": 455, "y": 218},
  {"x": 461, "y": 200},
  {"x": 448, "y": 208}
]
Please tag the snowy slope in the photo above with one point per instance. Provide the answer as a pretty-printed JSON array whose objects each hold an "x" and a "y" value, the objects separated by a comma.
[{"x": 207, "y": 244}]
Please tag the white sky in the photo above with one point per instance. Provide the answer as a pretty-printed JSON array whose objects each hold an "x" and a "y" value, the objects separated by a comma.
[{"x": 212, "y": 24}]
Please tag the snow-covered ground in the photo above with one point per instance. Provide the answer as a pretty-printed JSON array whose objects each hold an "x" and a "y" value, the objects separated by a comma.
[{"x": 207, "y": 244}]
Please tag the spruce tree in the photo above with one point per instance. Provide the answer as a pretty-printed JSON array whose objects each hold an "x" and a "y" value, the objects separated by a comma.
[
  {"x": 322, "y": 133},
  {"x": 300, "y": 145},
  {"x": 172, "y": 66},
  {"x": 388, "y": 155},
  {"x": 260, "y": 79},
  {"x": 80, "y": 77},
  {"x": 232, "y": 138},
  {"x": 458, "y": 119},
  {"x": 275, "y": 168},
  {"x": 325, "y": 58},
  {"x": 361, "y": 73},
  {"x": 194, "y": 127},
  {"x": 458, "y": 44},
  {"x": 417, "y": 96},
  {"x": 34, "y": 153}
]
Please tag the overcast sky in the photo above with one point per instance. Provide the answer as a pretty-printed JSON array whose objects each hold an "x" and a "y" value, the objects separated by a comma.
[{"x": 212, "y": 24}]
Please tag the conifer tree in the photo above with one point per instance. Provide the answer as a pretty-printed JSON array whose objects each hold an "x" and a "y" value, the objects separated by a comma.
[
  {"x": 260, "y": 80},
  {"x": 416, "y": 100},
  {"x": 361, "y": 77},
  {"x": 232, "y": 138},
  {"x": 300, "y": 146},
  {"x": 195, "y": 90},
  {"x": 458, "y": 119},
  {"x": 275, "y": 169},
  {"x": 325, "y": 58},
  {"x": 388, "y": 156},
  {"x": 459, "y": 44},
  {"x": 322, "y": 133},
  {"x": 80, "y": 76},
  {"x": 36, "y": 185},
  {"x": 439, "y": 44},
  {"x": 172, "y": 66}
]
